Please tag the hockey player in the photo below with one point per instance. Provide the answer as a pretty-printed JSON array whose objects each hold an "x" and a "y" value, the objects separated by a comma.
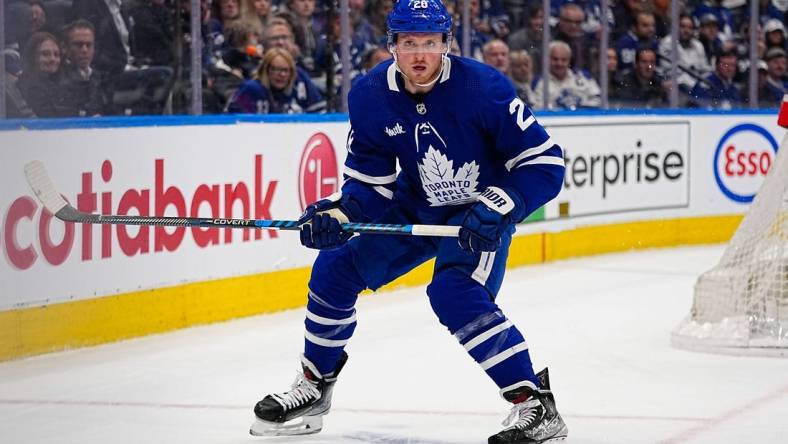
[{"x": 471, "y": 154}]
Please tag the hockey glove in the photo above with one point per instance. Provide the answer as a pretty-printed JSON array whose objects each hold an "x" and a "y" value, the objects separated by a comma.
[
  {"x": 487, "y": 220},
  {"x": 321, "y": 223}
]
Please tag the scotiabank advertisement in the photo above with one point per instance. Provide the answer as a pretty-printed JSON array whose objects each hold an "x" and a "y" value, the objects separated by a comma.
[{"x": 232, "y": 171}]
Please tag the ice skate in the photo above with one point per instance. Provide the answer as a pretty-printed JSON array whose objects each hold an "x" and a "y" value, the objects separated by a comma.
[
  {"x": 300, "y": 410},
  {"x": 534, "y": 418}
]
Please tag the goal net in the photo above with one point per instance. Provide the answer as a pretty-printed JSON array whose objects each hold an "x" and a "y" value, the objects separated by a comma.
[{"x": 741, "y": 305}]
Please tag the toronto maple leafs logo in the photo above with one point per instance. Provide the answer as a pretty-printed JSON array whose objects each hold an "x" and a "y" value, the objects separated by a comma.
[{"x": 442, "y": 184}]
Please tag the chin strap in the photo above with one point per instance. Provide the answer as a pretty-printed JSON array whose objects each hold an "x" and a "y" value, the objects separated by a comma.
[{"x": 421, "y": 85}]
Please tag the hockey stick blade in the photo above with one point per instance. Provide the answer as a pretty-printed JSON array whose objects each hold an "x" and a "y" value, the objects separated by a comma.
[{"x": 45, "y": 191}]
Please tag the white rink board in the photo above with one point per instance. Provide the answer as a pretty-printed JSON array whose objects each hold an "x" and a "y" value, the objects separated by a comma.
[
  {"x": 191, "y": 157},
  {"x": 36, "y": 271}
]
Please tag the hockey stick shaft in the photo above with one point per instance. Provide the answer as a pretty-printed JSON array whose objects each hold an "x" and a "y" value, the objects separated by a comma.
[{"x": 45, "y": 191}]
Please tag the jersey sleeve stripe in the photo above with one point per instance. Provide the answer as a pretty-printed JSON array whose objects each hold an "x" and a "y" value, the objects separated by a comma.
[
  {"x": 530, "y": 152},
  {"x": 383, "y": 191},
  {"x": 545, "y": 160},
  {"x": 373, "y": 180}
]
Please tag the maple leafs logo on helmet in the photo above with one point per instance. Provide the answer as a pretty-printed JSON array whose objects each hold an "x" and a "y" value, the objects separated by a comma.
[{"x": 426, "y": 16}]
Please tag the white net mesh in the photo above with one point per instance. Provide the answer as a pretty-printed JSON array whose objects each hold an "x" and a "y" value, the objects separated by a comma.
[{"x": 741, "y": 305}]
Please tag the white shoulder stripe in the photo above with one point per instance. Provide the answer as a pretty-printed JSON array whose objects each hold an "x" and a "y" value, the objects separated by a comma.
[
  {"x": 545, "y": 160},
  {"x": 530, "y": 152},
  {"x": 391, "y": 77},
  {"x": 374, "y": 180}
]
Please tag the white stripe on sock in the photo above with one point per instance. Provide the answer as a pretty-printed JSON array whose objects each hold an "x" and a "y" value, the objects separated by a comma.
[{"x": 504, "y": 355}]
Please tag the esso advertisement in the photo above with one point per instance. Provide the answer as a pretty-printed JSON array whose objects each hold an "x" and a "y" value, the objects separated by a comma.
[
  {"x": 742, "y": 159},
  {"x": 232, "y": 171}
]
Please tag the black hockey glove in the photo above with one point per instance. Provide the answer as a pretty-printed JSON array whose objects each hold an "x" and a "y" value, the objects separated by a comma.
[
  {"x": 321, "y": 223},
  {"x": 487, "y": 220}
]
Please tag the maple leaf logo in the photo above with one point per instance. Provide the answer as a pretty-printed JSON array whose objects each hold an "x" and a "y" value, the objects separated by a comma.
[{"x": 442, "y": 184}]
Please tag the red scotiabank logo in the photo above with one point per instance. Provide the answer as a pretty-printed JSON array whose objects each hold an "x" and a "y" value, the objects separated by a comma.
[
  {"x": 25, "y": 213},
  {"x": 318, "y": 174}
]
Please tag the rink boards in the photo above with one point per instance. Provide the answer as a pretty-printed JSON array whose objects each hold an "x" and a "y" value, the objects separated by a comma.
[{"x": 633, "y": 181}]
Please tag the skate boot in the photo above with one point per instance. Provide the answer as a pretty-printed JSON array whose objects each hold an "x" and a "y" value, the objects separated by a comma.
[
  {"x": 534, "y": 418},
  {"x": 298, "y": 411}
]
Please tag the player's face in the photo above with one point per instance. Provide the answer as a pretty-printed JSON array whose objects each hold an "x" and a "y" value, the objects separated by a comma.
[{"x": 419, "y": 55}]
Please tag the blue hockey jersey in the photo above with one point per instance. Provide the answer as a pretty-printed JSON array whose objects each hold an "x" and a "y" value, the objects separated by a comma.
[{"x": 469, "y": 132}]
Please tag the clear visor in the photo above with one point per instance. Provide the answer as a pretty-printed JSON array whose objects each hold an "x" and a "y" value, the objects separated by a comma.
[{"x": 430, "y": 47}]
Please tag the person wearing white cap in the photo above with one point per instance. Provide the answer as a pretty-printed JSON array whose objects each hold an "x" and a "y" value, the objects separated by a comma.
[{"x": 774, "y": 34}]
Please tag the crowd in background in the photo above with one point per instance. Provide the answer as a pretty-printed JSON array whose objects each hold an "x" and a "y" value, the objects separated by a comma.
[{"x": 67, "y": 58}]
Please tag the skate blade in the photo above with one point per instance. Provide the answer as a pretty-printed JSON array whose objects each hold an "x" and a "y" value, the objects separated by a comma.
[{"x": 306, "y": 425}]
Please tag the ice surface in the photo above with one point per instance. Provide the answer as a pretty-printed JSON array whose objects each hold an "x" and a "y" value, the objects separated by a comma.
[{"x": 601, "y": 324}]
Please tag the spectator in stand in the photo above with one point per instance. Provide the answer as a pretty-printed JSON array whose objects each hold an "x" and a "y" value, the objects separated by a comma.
[
  {"x": 776, "y": 82},
  {"x": 39, "y": 16},
  {"x": 377, "y": 11},
  {"x": 40, "y": 79},
  {"x": 479, "y": 29},
  {"x": 274, "y": 89},
  {"x": 496, "y": 54},
  {"x": 774, "y": 34},
  {"x": 16, "y": 107},
  {"x": 369, "y": 60},
  {"x": 641, "y": 87},
  {"x": 723, "y": 15},
  {"x": 307, "y": 28},
  {"x": 709, "y": 36},
  {"x": 222, "y": 13},
  {"x": 567, "y": 89},
  {"x": 529, "y": 38},
  {"x": 613, "y": 74},
  {"x": 717, "y": 90},
  {"x": 130, "y": 87},
  {"x": 521, "y": 74},
  {"x": 624, "y": 14},
  {"x": 495, "y": 19},
  {"x": 278, "y": 34},
  {"x": 244, "y": 52},
  {"x": 642, "y": 35},
  {"x": 691, "y": 57},
  {"x": 113, "y": 36},
  {"x": 372, "y": 57},
  {"x": 362, "y": 33},
  {"x": 153, "y": 32},
  {"x": 569, "y": 30},
  {"x": 592, "y": 9},
  {"x": 260, "y": 11},
  {"x": 81, "y": 84},
  {"x": 326, "y": 59}
]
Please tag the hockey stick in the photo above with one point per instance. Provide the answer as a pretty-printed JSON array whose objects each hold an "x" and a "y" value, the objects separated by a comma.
[{"x": 44, "y": 189}]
